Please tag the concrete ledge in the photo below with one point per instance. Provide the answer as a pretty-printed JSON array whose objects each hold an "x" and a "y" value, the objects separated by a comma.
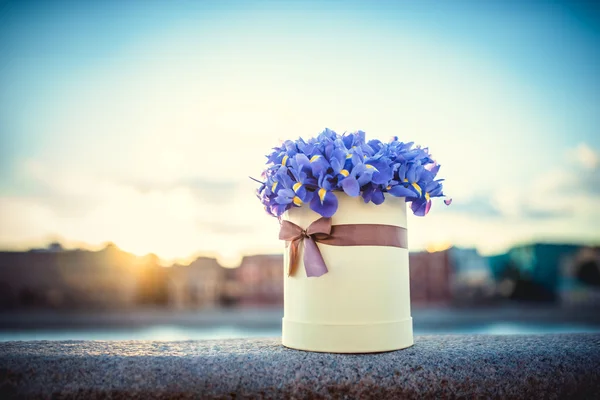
[{"x": 519, "y": 367}]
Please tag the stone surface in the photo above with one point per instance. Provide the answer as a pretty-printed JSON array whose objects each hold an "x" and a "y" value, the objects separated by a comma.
[{"x": 562, "y": 366}]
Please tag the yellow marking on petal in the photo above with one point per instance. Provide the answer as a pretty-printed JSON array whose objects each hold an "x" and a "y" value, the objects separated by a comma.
[
  {"x": 296, "y": 186},
  {"x": 348, "y": 156},
  {"x": 369, "y": 166},
  {"x": 388, "y": 188},
  {"x": 405, "y": 179},
  {"x": 315, "y": 158},
  {"x": 427, "y": 197},
  {"x": 416, "y": 186},
  {"x": 284, "y": 160},
  {"x": 322, "y": 193},
  {"x": 345, "y": 172},
  {"x": 273, "y": 187},
  {"x": 297, "y": 201}
]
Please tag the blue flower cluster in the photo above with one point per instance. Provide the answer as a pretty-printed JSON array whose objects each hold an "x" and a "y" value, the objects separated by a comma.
[{"x": 308, "y": 172}]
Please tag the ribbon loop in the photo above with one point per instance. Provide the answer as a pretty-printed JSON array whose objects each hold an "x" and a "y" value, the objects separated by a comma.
[
  {"x": 322, "y": 231},
  {"x": 313, "y": 260}
]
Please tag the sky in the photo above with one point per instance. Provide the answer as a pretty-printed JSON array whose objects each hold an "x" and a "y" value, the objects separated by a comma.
[{"x": 139, "y": 122}]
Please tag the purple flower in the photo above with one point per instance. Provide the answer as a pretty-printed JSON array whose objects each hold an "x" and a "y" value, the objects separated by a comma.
[
  {"x": 372, "y": 192},
  {"x": 418, "y": 186},
  {"x": 358, "y": 176},
  {"x": 324, "y": 201},
  {"x": 382, "y": 173},
  {"x": 400, "y": 190},
  {"x": 309, "y": 171},
  {"x": 292, "y": 191}
]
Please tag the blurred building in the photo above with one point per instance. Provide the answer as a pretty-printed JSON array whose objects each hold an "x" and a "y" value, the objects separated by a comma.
[
  {"x": 430, "y": 278},
  {"x": 259, "y": 280},
  {"x": 68, "y": 279},
  {"x": 28, "y": 279},
  {"x": 453, "y": 275},
  {"x": 113, "y": 279},
  {"x": 152, "y": 289},
  {"x": 232, "y": 289},
  {"x": 195, "y": 286},
  {"x": 532, "y": 272},
  {"x": 498, "y": 264},
  {"x": 471, "y": 278},
  {"x": 580, "y": 284}
]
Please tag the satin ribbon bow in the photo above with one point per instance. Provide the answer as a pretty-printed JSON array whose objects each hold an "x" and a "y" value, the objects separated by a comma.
[
  {"x": 322, "y": 231},
  {"x": 294, "y": 235}
]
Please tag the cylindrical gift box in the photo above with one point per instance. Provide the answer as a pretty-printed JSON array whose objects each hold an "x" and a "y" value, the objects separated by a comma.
[{"x": 362, "y": 304}]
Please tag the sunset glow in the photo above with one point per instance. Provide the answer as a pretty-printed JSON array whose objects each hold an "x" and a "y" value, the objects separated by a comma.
[{"x": 140, "y": 125}]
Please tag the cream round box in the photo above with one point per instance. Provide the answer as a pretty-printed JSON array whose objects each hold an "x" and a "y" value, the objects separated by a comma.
[{"x": 362, "y": 304}]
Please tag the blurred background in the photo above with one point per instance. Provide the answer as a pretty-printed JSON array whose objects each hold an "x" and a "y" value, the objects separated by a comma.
[{"x": 128, "y": 130}]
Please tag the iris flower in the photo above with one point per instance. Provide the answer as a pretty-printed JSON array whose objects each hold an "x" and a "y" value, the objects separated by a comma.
[
  {"x": 281, "y": 155},
  {"x": 373, "y": 192},
  {"x": 309, "y": 171},
  {"x": 422, "y": 205},
  {"x": 380, "y": 166},
  {"x": 292, "y": 191},
  {"x": 324, "y": 201},
  {"x": 417, "y": 184}
]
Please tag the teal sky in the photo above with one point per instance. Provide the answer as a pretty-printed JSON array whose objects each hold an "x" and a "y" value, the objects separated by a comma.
[{"x": 139, "y": 122}]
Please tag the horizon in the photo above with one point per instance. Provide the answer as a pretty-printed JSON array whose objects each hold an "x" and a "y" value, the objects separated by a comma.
[
  {"x": 138, "y": 123},
  {"x": 236, "y": 262}
]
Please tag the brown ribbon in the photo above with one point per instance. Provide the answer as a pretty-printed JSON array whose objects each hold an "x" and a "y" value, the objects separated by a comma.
[{"x": 322, "y": 231}]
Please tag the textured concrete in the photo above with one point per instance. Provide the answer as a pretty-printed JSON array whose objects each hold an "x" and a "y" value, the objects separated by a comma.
[{"x": 523, "y": 367}]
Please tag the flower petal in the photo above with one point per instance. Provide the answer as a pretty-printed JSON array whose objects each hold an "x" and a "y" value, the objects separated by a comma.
[
  {"x": 367, "y": 193},
  {"x": 300, "y": 190},
  {"x": 359, "y": 138},
  {"x": 375, "y": 145},
  {"x": 326, "y": 207},
  {"x": 336, "y": 165},
  {"x": 420, "y": 207},
  {"x": 306, "y": 196},
  {"x": 436, "y": 192},
  {"x": 348, "y": 140},
  {"x": 319, "y": 166},
  {"x": 401, "y": 191},
  {"x": 286, "y": 192},
  {"x": 351, "y": 186},
  {"x": 283, "y": 200},
  {"x": 383, "y": 176},
  {"x": 279, "y": 209},
  {"x": 303, "y": 162},
  {"x": 377, "y": 197}
]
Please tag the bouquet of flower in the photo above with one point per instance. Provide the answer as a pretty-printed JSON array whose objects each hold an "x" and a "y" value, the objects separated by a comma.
[{"x": 300, "y": 172}]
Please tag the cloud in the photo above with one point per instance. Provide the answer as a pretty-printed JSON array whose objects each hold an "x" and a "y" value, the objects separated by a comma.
[
  {"x": 531, "y": 213},
  {"x": 204, "y": 190},
  {"x": 585, "y": 156},
  {"x": 224, "y": 227},
  {"x": 478, "y": 206},
  {"x": 176, "y": 208},
  {"x": 572, "y": 188},
  {"x": 170, "y": 218},
  {"x": 498, "y": 207},
  {"x": 568, "y": 190}
]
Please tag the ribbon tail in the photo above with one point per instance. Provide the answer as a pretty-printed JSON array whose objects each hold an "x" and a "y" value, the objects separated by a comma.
[
  {"x": 313, "y": 260},
  {"x": 293, "y": 256}
]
